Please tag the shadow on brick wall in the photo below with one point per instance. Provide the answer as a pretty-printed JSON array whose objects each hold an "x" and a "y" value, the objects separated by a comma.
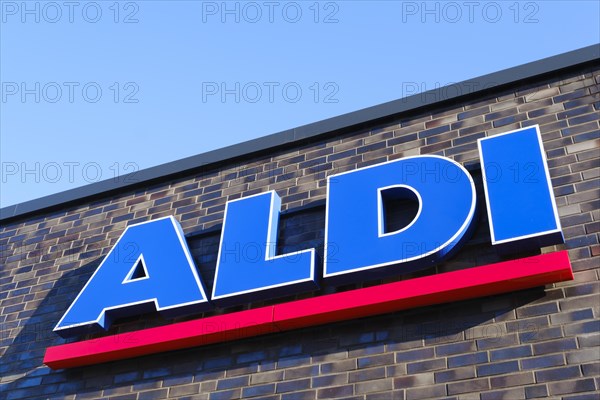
[
  {"x": 23, "y": 357},
  {"x": 395, "y": 343}
]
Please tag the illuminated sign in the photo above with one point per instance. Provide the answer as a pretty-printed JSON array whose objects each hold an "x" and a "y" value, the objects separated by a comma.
[{"x": 158, "y": 273}]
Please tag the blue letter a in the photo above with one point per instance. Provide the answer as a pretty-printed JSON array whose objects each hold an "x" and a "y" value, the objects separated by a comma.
[{"x": 149, "y": 268}]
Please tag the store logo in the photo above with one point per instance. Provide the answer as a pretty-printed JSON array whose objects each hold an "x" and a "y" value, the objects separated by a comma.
[{"x": 159, "y": 273}]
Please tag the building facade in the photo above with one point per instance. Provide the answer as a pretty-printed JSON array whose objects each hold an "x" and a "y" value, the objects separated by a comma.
[{"x": 542, "y": 342}]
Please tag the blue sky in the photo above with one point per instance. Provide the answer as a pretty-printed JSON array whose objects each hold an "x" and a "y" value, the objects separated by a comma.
[{"x": 90, "y": 90}]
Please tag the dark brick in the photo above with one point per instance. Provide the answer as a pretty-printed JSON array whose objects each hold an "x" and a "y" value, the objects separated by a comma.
[
  {"x": 329, "y": 380},
  {"x": 293, "y": 361},
  {"x": 303, "y": 395},
  {"x": 418, "y": 354},
  {"x": 453, "y": 348},
  {"x": 570, "y": 95},
  {"x": 497, "y": 368},
  {"x": 229, "y": 383},
  {"x": 473, "y": 113},
  {"x": 585, "y": 137},
  {"x": 389, "y": 395},
  {"x": 582, "y": 327},
  {"x": 507, "y": 394},
  {"x": 540, "y": 334},
  {"x": 565, "y": 317},
  {"x": 535, "y": 392},
  {"x": 511, "y": 352},
  {"x": 592, "y": 369},
  {"x": 154, "y": 394},
  {"x": 573, "y": 112},
  {"x": 582, "y": 396},
  {"x": 434, "y": 131},
  {"x": 258, "y": 390},
  {"x": 557, "y": 374},
  {"x": 225, "y": 395},
  {"x": 383, "y": 359},
  {"x": 335, "y": 392},
  {"x": 552, "y": 360},
  {"x": 509, "y": 120},
  {"x": 290, "y": 386},
  {"x": 455, "y": 374},
  {"x": 467, "y": 359},
  {"x": 555, "y": 346},
  {"x": 495, "y": 342},
  {"x": 580, "y": 385},
  {"x": 340, "y": 155},
  {"x": 539, "y": 309},
  {"x": 423, "y": 366}
]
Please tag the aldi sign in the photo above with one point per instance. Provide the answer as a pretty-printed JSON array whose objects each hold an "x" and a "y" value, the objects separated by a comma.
[{"x": 159, "y": 274}]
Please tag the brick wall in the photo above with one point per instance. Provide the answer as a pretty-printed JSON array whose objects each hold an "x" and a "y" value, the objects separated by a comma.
[{"x": 538, "y": 343}]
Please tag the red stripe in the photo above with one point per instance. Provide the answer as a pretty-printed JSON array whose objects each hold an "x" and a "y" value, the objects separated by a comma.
[{"x": 469, "y": 283}]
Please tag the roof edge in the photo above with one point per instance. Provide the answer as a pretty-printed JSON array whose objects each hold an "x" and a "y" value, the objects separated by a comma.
[{"x": 378, "y": 113}]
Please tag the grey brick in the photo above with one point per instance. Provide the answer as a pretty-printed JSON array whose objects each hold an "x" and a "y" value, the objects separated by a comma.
[
  {"x": 574, "y": 386},
  {"x": 495, "y": 342},
  {"x": 565, "y": 317},
  {"x": 418, "y": 354},
  {"x": 434, "y": 391},
  {"x": 507, "y": 394},
  {"x": 520, "y": 379},
  {"x": 379, "y": 385},
  {"x": 366, "y": 374},
  {"x": 582, "y": 328},
  {"x": 414, "y": 380},
  {"x": 372, "y": 361},
  {"x": 345, "y": 365},
  {"x": 472, "y": 385},
  {"x": 592, "y": 369}
]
